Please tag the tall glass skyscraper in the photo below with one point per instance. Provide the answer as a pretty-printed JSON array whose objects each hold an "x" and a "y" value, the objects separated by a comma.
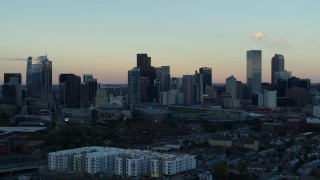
[
  {"x": 277, "y": 65},
  {"x": 254, "y": 70},
  {"x": 134, "y": 87},
  {"x": 207, "y": 77},
  {"x": 39, "y": 78}
]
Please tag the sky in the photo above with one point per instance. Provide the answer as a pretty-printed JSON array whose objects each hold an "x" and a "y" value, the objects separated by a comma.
[{"x": 102, "y": 37}]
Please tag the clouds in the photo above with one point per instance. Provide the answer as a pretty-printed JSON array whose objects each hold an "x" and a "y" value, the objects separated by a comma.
[{"x": 258, "y": 35}]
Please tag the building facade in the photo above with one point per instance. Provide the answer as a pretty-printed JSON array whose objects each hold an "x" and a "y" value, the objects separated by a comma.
[
  {"x": 134, "y": 87},
  {"x": 231, "y": 86},
  {"x": 277, "y": 65},
  {"x": 207, "y": 76},
  {"x": 72, "y": 91},
  {"x": 120, "y": 162},
  {"x": 254, "y": 70},
  {"x": 39, "y": 78}
]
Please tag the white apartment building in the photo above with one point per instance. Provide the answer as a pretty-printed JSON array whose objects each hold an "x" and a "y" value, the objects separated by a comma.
[
  {"x": 98, "y": 162},
  {"x": 176, "y": 165},
  {"x": 73, "y": 160},
  {"x": 133, "y": 163},
  {"x": 121, "y": 162}
]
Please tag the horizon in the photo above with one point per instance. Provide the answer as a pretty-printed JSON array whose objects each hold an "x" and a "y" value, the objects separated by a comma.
[{"x": 103, "y": 38}]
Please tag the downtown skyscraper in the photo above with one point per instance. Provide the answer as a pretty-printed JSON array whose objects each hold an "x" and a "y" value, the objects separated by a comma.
[
  {"x": 277, "y": 65},
  {"x": 207, "y": 76},
  {"x": 134, "y": 87},
  {"x": 39, "y": 78},
  {"x": 254, "y": 71}
]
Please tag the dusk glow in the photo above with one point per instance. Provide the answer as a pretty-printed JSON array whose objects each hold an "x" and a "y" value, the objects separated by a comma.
[{"x": 103, "y": 37}]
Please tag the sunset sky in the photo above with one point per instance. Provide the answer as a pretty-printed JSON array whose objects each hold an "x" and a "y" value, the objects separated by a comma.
[{"x": 102, "y": 37}]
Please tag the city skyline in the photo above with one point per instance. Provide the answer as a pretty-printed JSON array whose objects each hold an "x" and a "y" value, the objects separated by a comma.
[{"x": 103, "y": 38}]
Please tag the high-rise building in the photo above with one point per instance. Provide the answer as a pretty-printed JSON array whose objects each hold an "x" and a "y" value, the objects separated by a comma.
[
  {"x": 277, "y": 65},
  {"x": 284, "y": 75},
  {"x": 62, "y": 80},
  {"x": 102, "y": 99},
  {"x": 46, "y": 81},
  {"x": 207, "y": 76},
  {"x": 270, "y": 99},
  {"x": 84, "y": 95},
  {"x": 239, "y": 90},
  {"x": 197, "y": 88},
  {"x": 163, "y": 74},
  {"x": 254, "y": 68},
  {"x": 293, "y": 82},
  {"x": 91, "y": 85},
  {"x": 144, "y": 84},
  {"x": 12, "y": 77},
  {"x": 11, "y": 89},
  {"x": 39, "y": 78},
  {"x": 12, "y": 94},
  {"x": 72, "y": 91},
  {"x": 143, "y": 60},
  {"x": 231, "y": 87},
  {"x": 305, "y": 84},
  {"x": 146, "y": 70},
  {"x": 281, "y": 87},
  {"x": 87, "y": 77},
  {"x": 187, "y": 88},
  {"x": 176, "y": 83},
  {"x": 134, "y": 87}
]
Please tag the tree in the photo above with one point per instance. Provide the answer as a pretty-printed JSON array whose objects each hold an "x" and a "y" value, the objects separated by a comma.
[
  {"x": 221, "y": 171},
  {"x": 94, "y": 116}
]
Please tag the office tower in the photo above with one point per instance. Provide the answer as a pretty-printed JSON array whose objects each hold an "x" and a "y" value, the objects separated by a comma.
[
  {"x": 39, "y": 78},
  {"x": 197, "y": 90},
  {"x": 144, "y": 84},
  {"x": 134, "y": 87},
  {"x": 277, "y": 65},
  {"x": 143, "y": 60},
  {"x": 72, "y": 91},
  {"x": 163, "y": 74},
  {"x": 46, "y": 81},
  {"x": 91, "y": 85},
  {"x": 11, "y": 89},
  {"x": 254, "y": 71},
  {"x": 149, "y": 72},
  {"x": 293, "y": 82},
  {"x": 146, "y": 70},
  {"x": 257, "y": 99},
  {"x": 299, "y": 95},
  {"x": 156, "y": 91},
  {"x": 270, "y": 99},
  {"x": 281, "y": 87},
  {"x": 266, "y": 87},
  {"x": 305, "y": 84},
  {"x": 12, "y": 77},
  {"x": 187, "y": 88},
  {"x": 102, "y": 99},
  {"x": 84, "y": 95},
  {"x": 231, "y": 86},
  {"x": 87, "y": 77},
  {"x": 285, "y": 75},
  {"x": 175, "y": 83},
  {"x": 239, "y": 90},
  {"x": 62, "y": 79},
  {"x": 207, "y": 76}
]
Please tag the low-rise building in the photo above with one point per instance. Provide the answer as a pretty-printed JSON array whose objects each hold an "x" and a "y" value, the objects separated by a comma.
[
  {"x": 225, "y": 141},
  {"x": 120, "y": 162}
]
